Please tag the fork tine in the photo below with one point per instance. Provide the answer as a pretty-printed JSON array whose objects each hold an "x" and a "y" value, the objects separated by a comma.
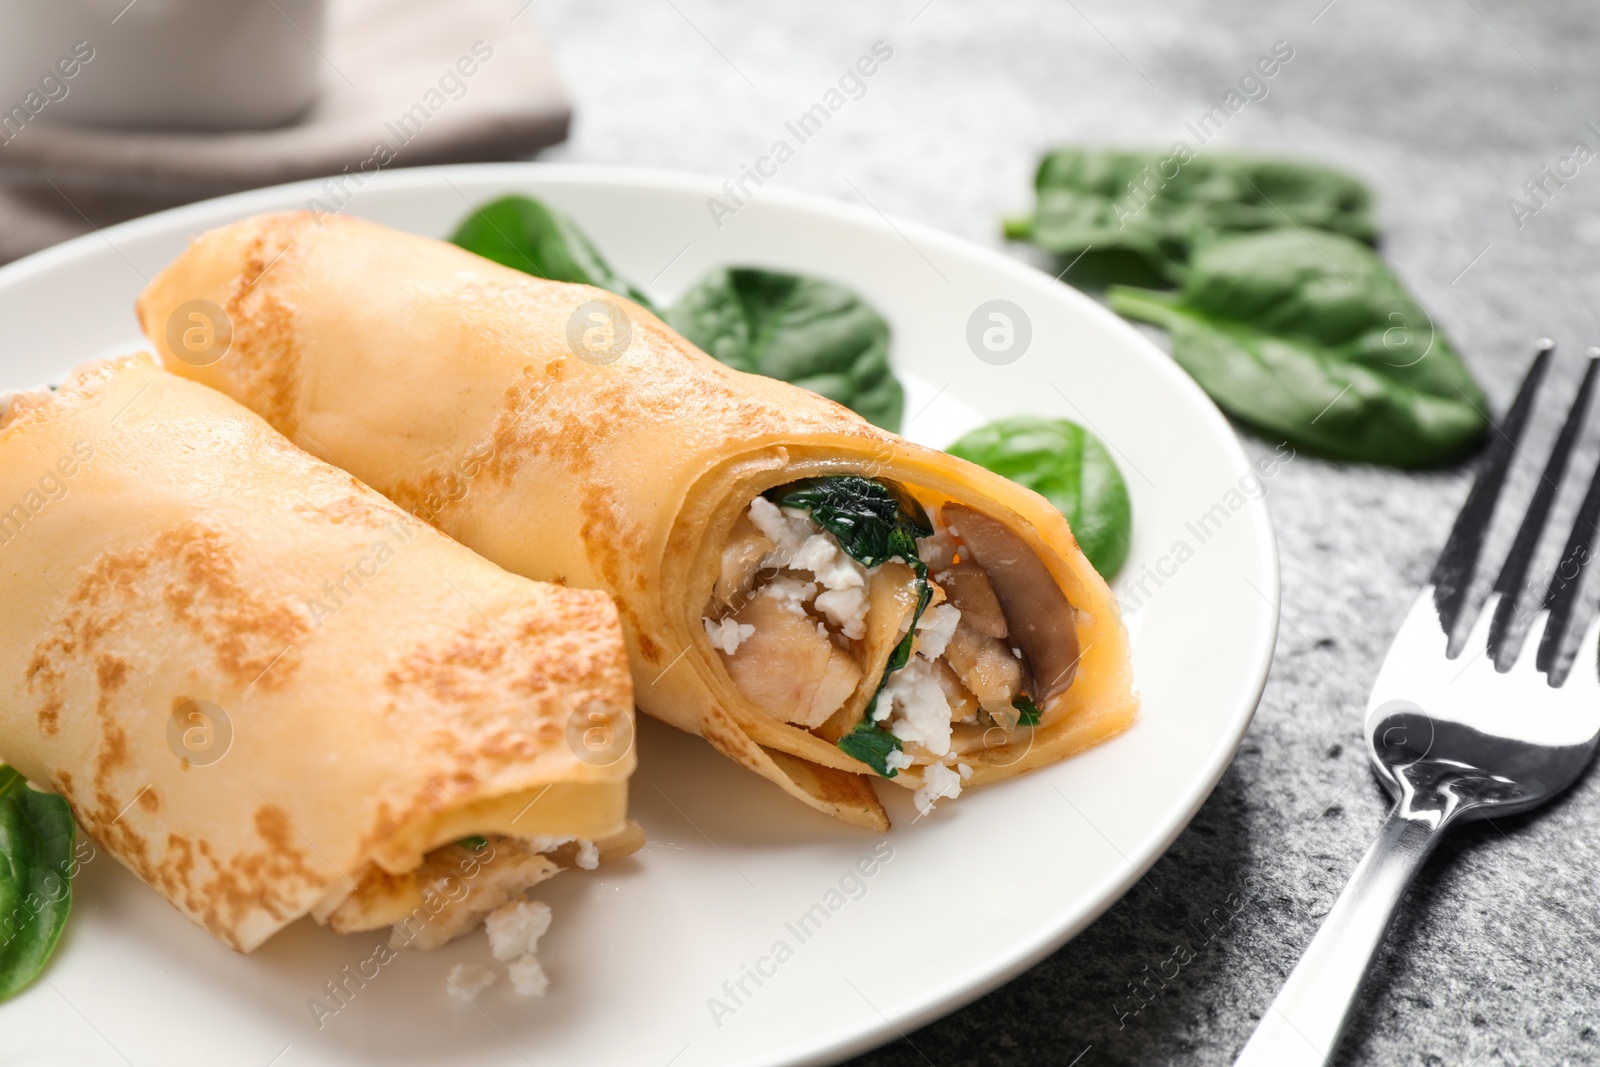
[
  {"x": 1452, "y": 575},
  {"x": 1515, "y": 570},
  {"x": 1562, "y": 596}
]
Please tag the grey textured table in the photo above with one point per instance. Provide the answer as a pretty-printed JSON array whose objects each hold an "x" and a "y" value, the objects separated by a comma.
[{"x": 1447, "y": 108}]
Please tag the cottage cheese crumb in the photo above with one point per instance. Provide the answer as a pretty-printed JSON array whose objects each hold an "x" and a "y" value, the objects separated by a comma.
[
  {"x": 938, "y": 781},
  {"x": 785, "y": 528},
  {"x": 588, "y": 855},
  {"x": 790, "y": 593},
  {"x": 935, "y": 628},
  {"x": 846, "y": 609},
  {"x": 822, "y": 556},
  {"x": 515, "y": 928},
  {"x": 542, "y": 843},
  {"x": 914, "y": 691},
  {"x": 727, "y": 634},
  {"x": 897, "y": 760},
  {"x": 527, "y": 977},
  {"x": 939, "y": 550},
  {"x": 467, "y": 980}
]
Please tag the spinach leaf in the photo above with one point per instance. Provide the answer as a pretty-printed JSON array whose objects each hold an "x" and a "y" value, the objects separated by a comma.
[
  {"x": 35, "y": 879},
  {"x": 874, "y": 521},
  {"x": 871, "y": 744},
  {"x": 524, "y": 233},
  {"x": 1068, "y": 466},
  {"x": 477, "y": 842},
  {"x": 1029, "y": 710},
  {"x": 902, "y": 652},
  {"x": 1307, "y": 336},
  {"x": 812, "y": 333},
  {"x": 1135, "y": 217}
]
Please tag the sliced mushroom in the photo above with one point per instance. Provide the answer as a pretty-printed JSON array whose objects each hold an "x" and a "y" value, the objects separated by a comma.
[
  {"x": 969, "y": 590},
  {"x": 1037, "y": 612}
]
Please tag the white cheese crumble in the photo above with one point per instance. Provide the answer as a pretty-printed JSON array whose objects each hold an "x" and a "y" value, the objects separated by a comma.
[
  {"x": 846, "y": 609},
  {"x": 897, "y": 760},
  {"x": 527, "y": 977},
  {"x": 467, "y": 980},
  {"x": 728, "y": 633},
  {"x": 937, "y": 551},
  {"x": 822, "y": 556},
  {"x": 543, "y": 843},
  {"x": 515, "y": 929},
  {"x": 935, "y": 628},
  {"x": 924, "y": 712},
  {"x": 786, "y": 528},
  {"x": 588, "y": 855},
  {"x": 791, "y": 593},
  {"x": 938, "y": 781}
]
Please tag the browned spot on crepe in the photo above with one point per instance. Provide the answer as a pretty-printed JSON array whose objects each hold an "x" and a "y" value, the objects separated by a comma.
[
  {"x": 264, "y": 359},
  {"x": 726, "y": 737},
  {"x": 187, "y": 574},
  {"x": 458, "y": 672},
  {"x": 356, "y": 507}
]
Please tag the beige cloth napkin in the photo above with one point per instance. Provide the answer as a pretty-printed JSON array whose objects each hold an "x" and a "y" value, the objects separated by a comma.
[{"x": 394, "y": 94}]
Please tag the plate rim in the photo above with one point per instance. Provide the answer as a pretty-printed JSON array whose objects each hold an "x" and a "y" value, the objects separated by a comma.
[{"x": 936, "y": 1003}]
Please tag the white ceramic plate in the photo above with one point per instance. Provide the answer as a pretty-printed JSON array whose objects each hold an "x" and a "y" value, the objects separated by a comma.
[{"x": 643, "y": 952}]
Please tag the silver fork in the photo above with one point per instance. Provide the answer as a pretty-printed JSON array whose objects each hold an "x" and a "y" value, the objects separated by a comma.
[{"x": 1454, "y": 741}]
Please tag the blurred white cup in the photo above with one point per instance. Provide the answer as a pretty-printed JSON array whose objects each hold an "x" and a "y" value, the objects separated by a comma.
[{"x": 168, "y": 64}]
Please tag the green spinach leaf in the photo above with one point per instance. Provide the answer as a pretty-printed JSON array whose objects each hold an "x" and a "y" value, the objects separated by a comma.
[
  {"x": 1029, "y": 711},
  {"x": 874, "y": 521},
  {"x": 524, "y": 233},
  {"x": 871, "y": 744},
  {"x": 1068, "y": 466},
  {"x": 36, "y": 833},
  {"x": 1307, "y": 336},
  {"x": 1135, "y": 217},
  {"x": 812, "y": 333}
]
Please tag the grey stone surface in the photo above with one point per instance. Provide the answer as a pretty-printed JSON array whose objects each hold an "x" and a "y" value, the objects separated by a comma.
[{"x": 1446, "y": 107}]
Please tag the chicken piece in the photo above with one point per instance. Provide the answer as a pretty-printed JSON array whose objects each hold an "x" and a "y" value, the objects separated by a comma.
[
  {"x": 741, "y": 563},
  {"x": 788, "y": 667},
  {"x": 987, "y": 668},
  {"x": 969, "y": 590},
  {"x": 963, "y": 705}
]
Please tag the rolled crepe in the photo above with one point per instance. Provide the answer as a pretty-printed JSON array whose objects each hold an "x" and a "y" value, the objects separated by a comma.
[
  {"x": 569, "y": 435},
  {"x": 270, "y": 692}
]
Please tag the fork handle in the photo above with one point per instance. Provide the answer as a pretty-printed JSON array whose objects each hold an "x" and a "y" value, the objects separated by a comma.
[{"x": 1303, "y": 1025}]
